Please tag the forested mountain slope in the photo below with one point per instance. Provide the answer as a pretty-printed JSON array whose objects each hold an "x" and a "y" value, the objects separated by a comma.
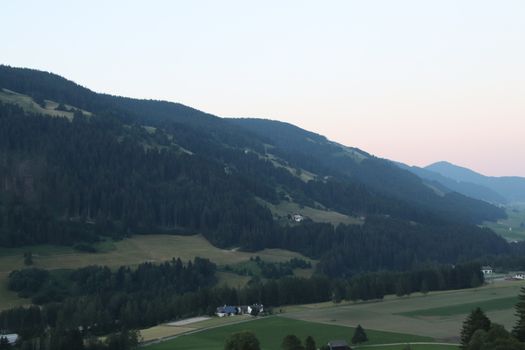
[
  {"x": 115, "y": 166},
  {"x": 510, "y": 187},
  {"x": 319, "y": 155},
  {"x": 447, "y": 184}
]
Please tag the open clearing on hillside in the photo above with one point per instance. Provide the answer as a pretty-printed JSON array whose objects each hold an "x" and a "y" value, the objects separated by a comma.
[
  {"x": 29, "y": 105},
  {"x": 407, "y": 314},
  {"x": 512, "y": 228},
  {"x": 271, "y": 330},
  {"x": 131, "y": 251},
  {"x": 304, "y": 175},
  {"x": 285, "y": 208}
]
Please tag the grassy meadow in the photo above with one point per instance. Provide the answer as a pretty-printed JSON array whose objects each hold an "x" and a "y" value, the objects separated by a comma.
[
  {"x": 131, "y": 251},
  {"x": 511, "y": 228},
  {"x": 29, "y": 105},
  {"x": 435, "y": 317},
  {"x": 271, "y": 330},
  {"x": 463, "y": 309},
  {"x": 438, "y": 315},
  {"x": 284, "y": 208},
  {"x": 412, "y": 347}
]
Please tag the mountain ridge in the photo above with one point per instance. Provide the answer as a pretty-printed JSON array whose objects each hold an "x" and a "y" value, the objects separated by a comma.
[
  {"x": 141, "y": 166},
  {"x": 512, "y": 188}
]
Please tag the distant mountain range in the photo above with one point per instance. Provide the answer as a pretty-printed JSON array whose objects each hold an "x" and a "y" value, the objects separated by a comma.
[{"x": 447, "y": 177}]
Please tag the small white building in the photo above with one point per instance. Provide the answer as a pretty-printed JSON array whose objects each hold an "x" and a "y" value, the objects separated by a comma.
[
  {"x": 255, "y": 307},
  {"x": 487, "y": 270},
  {"x": 519, "y": 276},
  {"x": 11, "y": 338},
  {"x": 297, "y": 217}
]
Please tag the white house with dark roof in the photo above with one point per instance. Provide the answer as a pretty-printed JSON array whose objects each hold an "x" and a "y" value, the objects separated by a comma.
[
  {"x": 11, "y": 338},
  {"x": 487, "y": 270}
]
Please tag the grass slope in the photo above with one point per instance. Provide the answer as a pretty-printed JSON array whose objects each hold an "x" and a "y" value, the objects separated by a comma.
[
  {"x": 512, "y": 228},
  {"x": 284, "y": 208},
  {"x": 463, "y": 309},
  {"x": 412, "y": 347},
  {"x": 409, "y": 314},
  {"x": 132, "y": 251},
  {"x": 271, "y": 330},
  {"x": 29, "y": 105}
]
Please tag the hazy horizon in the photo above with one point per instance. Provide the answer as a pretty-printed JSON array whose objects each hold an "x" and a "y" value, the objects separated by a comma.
[{"x": 409, "y": 81}]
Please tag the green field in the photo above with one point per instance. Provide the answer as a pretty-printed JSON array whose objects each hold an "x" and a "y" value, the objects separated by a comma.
[
  {"x": 271, "y": 330},
  {"x": 448, "y": 310},
  {"x": 29, "y": 105},
  {"x": 281, "y": 211},
  {"x": 462, "y": 309},
  {"x": 512, "y": 228},
  {"x": 304, "y": 175},
  {"x": 132, "y": 251},
  {"x": 412, "y": 347}
]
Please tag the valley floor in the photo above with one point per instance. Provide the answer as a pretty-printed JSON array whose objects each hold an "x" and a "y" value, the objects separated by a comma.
[
  {"x": 438, "y": 315},
  {"x": 435, "y": 318},
  {"x": 271, "y": 330}
]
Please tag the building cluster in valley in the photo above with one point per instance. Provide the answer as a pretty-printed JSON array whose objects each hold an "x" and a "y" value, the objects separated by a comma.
[
  {"x": 229, "y": 310},
  {"x": 488, "y": 271}
]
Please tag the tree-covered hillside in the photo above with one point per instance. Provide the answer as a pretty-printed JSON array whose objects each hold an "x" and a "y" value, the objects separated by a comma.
[
  {"x": 512, "y": 188},
  {"x": 319, "y": 155},
  {"x": 123, "y": 166}
]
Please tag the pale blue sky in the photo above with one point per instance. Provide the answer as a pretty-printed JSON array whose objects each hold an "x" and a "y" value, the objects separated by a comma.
[{"x": 415, "y": 81}]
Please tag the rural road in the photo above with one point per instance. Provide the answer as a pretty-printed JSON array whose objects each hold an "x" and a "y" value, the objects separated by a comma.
[{"x": 161, "y": 340}]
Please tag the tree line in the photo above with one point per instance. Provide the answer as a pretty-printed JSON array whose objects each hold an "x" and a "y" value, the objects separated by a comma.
[
  {"x": 480, "y": 333},
  {"x": 99, "y": 301}
]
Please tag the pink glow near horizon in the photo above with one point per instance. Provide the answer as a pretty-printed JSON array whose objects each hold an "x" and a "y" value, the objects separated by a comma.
[{"x": 409, "y": 80}]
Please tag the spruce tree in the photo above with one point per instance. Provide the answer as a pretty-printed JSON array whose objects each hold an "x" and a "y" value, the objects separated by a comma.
[
  {"x": 310, "y": 343},
  {"x": 242, "y": 341},
  {"x": 291, "y": 342},
  {"x": 359, "y": 335},
  {"x": 519, "y": 329},
  {"x": 476, "y": 320},
  {"x": 28, "y": 258},
  {"x": 4, "y": 343}
]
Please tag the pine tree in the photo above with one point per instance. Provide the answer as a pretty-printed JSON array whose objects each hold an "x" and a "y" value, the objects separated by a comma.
[
  {"x": 310, "y": 343},
  {"x": 4, "y": 344},
  {"x": 359, "y": 335},
  {"x": 291, "y": 342},
  {"x": 476, "y": 320},
  {"x": 519, "y": 328},
  {"x": 424, "y": 287},
  {"x": 28, "y": 258},
  {"x": 242, "y": 341}
]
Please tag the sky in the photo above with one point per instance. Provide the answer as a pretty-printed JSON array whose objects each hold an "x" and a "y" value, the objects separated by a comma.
[{"x": 414, "y": 81}]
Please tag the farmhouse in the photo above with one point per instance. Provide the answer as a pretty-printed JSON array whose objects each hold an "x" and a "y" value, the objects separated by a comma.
[
  {"x": 227, "y": 311},
  {"x": 519, "y": 276},
  {"x": 487, "y": 270},
  {"x": 11, "y": 338},
  {"x": 255, "y": 308},
  {"x": 338, "y": 345},
  {"x": 297, "y": 217}
]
